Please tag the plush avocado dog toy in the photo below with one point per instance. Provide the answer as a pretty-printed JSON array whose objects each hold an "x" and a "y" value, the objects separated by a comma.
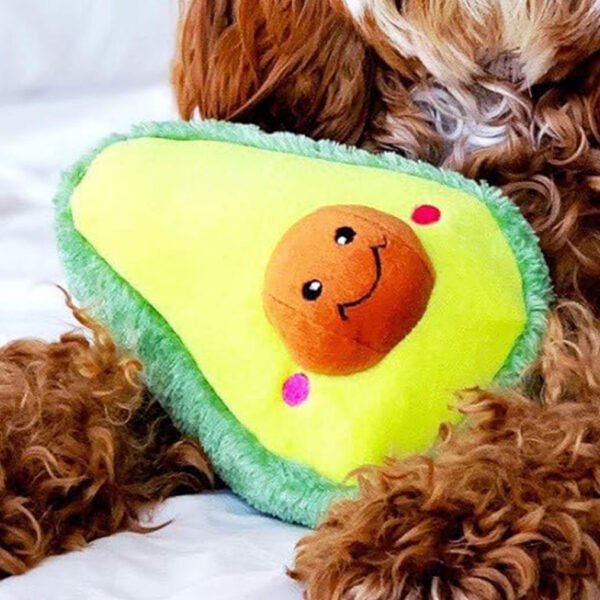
[{"x": 301, "y": 307}]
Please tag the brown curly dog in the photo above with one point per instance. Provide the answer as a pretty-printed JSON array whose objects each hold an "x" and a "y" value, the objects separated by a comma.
[
  {"x": 509, "y": 506},
  {"x": 502, "y": 90}
]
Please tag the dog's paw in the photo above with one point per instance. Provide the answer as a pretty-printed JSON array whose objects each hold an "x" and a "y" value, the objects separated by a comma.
[
  {"x": 509, "y": 509},
  {"x": 84, "y": 451}
]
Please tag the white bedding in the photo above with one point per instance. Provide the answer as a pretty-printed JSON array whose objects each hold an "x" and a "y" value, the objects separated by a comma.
[{"x": 216, "y": 548}]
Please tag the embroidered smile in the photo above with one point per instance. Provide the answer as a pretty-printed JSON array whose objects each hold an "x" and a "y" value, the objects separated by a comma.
[{"x": 343, "y": 306}]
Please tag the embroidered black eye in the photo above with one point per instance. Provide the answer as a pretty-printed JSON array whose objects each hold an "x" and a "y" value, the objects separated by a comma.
[
  {"x": 312, "y": 289},
  {"x": 344, "y": 235}
]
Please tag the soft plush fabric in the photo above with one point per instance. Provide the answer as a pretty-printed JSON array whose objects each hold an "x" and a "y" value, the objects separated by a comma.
[
  {"x": 344, "y": 286},
  {"x": 170, "y": 234}
]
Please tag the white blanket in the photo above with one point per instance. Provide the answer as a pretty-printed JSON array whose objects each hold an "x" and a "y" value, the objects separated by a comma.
[{"x": 216, "y": 548}]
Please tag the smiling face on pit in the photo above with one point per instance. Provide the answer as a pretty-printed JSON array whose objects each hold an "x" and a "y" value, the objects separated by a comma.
[{"x": 344, "y": 285}]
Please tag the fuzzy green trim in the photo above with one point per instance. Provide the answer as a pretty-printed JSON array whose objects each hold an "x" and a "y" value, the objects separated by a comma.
[{"x": 284, "y": 488}]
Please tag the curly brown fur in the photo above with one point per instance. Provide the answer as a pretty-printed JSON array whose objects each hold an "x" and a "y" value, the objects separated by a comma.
[
  {"x": 84, "y": 452},
  {"x": 541, "y": 144},
  {"x": 282, "y": 64},
  {"x": 508, "y": 508}
]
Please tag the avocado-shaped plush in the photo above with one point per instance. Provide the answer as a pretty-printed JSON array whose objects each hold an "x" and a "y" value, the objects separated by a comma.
[{"x": 301, "y": 307}]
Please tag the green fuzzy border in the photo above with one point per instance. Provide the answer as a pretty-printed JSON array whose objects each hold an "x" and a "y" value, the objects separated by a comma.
[{"x": 283, "y": 488}]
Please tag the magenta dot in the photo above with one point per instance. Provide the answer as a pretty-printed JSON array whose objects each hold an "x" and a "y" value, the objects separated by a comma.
[
  {"x": 296, "y": 389},
  {"x": 426, "y": 214}
]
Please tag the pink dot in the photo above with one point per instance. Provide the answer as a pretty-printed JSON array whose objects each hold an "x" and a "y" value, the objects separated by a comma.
[
  {"x": 296, "y": 389},
  {"x": 426, "y": 214}
]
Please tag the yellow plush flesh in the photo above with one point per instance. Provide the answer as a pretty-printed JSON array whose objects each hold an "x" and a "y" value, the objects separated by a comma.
[{"x": 191, "y": 226}]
